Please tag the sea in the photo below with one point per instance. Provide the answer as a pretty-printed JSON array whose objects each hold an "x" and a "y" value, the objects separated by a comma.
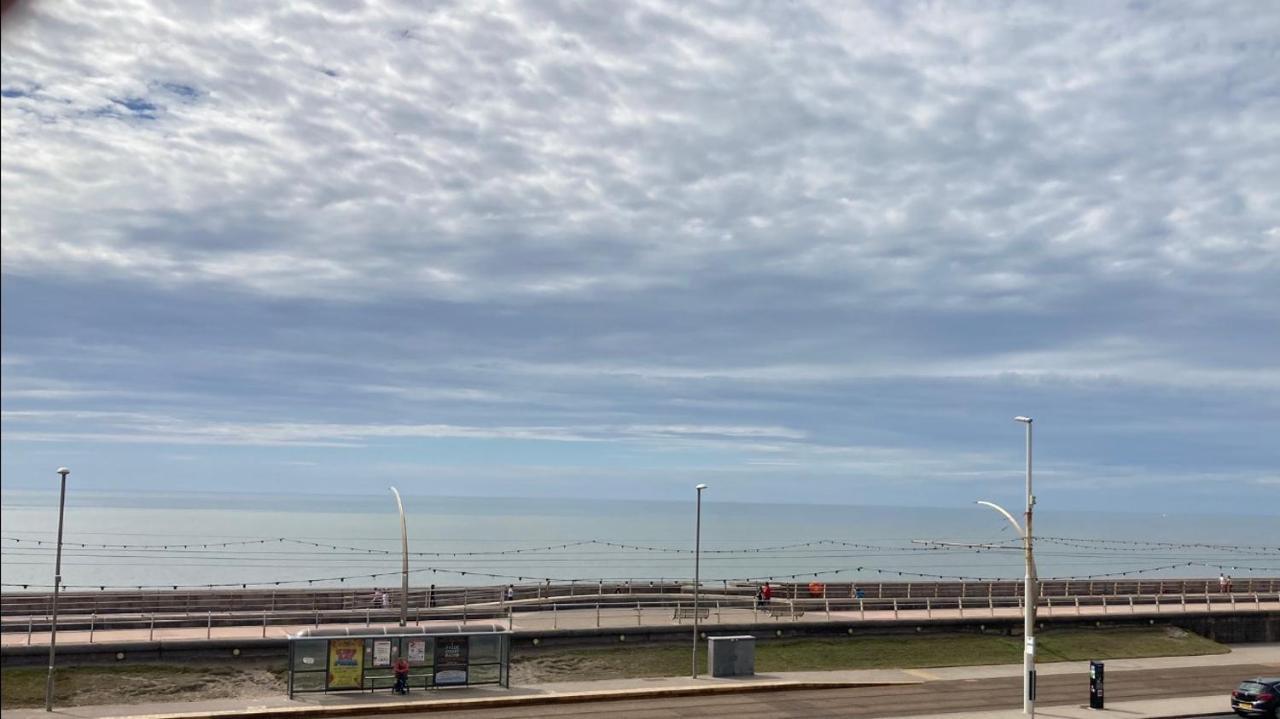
[{"x": 156, "y": 539}]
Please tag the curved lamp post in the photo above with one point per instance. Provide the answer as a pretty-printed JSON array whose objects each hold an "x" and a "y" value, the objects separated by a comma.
[
  {"x": 57, "y": 580},
  {"x": 404, "y": 570},
  {"x": 1030, "y": 595},
  {"x": 697, "y": 553}
]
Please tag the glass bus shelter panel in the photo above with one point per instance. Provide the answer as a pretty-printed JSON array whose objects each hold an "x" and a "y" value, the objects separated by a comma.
[{"x": 308, "y": 668}]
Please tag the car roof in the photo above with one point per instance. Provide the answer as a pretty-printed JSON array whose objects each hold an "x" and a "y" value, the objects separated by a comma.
[{"x": 1264, "y": 680}]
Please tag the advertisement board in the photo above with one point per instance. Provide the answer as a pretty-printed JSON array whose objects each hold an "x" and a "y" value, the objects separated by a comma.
[
  {"x": 451, "y": 660},
  {"x": 346, "y": 663}
]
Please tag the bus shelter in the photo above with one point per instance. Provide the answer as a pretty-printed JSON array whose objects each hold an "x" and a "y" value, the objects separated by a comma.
[{"x": 361, "y": 658}]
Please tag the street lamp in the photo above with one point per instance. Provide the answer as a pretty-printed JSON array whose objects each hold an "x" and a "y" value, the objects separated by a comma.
[
  {"x": 404, "y": 570},
  {"x": 57, "y": 580},
  {"x": 697, "y": 553},
  {"x": 1031, "y": 596}
]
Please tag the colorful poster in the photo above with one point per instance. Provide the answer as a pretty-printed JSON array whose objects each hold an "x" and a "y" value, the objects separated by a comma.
[
  {"x": 417, "y": 651},
  {"x": 382, "y": 652},
  {"x": 451, "y": 660},
  {"x": 346, "y": 663}
]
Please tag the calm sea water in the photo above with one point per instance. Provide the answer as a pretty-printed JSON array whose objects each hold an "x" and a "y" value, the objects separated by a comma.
[{"x": 461, "y": 525}]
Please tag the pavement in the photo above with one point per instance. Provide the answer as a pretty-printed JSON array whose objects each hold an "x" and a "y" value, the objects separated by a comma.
[{"x": 776, "y": 695}]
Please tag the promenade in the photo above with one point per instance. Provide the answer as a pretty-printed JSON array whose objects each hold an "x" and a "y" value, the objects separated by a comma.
[{"x": 608, "y": 613}]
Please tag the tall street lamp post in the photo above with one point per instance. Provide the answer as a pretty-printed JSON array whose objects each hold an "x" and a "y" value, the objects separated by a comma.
[
  {"x": 697, "y": 554},
  {"x": 404, "y": 569},
  {"x": 57, "y": 580},
  {"x": 1030, "y": 595}
]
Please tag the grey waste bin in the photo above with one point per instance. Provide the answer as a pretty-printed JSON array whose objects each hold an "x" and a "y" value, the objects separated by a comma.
[{"x": 731, "y": 656}]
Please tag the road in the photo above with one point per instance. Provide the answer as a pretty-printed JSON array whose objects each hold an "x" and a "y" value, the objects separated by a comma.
[{"x": 928, "y": 698}]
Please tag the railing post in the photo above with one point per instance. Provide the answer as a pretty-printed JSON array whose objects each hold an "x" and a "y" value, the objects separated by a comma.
[
  {"x": 991, "y": 604},
  {"x": 464, "y": 605},
  {"x": 264, "y": 625},
  {"x": 1077, "y": 605},
  {"x": 151, "y": 634},
  {"x": 960, "y": 605},
  {"x": 718, "y": 620},
  {"x": 208, "y": 632},
  {"x": 1233, "y": 607},
  {"x": 895, "y": 607},
  {"x": 1257, "y": 601},
  {"x": 368, "y": 619},
  {"x": 93, "y": 620},
  {"x": 928, "y": 607},
  {"x": 29, "y": 628},
  {"x": 638, "y": 614},
  {"x": 1131, "y": 607},
  {"x": 827, "y": 602},
  {"x": 555, "y": 622},
  {"x": 317, "y": 617},
  {"x": 597, "y": 614}
]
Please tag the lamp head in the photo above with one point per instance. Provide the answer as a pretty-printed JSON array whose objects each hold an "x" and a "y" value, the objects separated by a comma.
[
  {"x": 1024, "y": 420},
  {"x": 64, "y": 472},
  {"x": 700, "y": 487}
]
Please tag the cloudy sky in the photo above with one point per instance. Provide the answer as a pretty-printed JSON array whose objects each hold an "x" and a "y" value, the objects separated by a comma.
[{"x": 804, "y": 252}]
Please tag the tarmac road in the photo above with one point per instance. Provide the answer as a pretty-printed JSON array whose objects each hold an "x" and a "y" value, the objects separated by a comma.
[{"x": 931, "y": 697}]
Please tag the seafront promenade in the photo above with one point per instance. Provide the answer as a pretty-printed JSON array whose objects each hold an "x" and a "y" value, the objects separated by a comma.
[{"x": 611, "y": 610}]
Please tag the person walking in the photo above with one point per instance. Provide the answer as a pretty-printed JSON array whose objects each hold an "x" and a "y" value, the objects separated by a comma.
[
  {"x": 1222, "y": 583},
  {"x": 511, "y": 592},
  {"x": 766, "y": 593}
]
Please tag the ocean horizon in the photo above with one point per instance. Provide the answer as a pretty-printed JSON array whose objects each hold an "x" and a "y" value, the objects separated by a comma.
[{"x": 258, "y": 539}]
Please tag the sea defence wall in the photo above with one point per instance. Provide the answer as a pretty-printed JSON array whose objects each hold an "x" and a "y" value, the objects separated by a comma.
[{"x": 1232, "y": 628}]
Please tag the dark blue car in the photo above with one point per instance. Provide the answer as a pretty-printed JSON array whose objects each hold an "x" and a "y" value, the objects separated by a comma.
[{"x": 1257, "y": 698}]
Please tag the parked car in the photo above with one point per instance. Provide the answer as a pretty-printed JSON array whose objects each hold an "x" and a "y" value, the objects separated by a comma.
[{"x": 1257, "y": 698}]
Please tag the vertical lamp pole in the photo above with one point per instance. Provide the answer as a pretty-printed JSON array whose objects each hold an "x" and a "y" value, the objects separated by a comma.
[
  {"x": 57, "y": 580},
  {"x": 1030, "y": 594},
  {"x": 697, "y": 554},
  {"x": 404, "y": 570}
]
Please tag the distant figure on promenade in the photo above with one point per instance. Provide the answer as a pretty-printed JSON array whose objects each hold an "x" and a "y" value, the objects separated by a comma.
[
  {"x": 511, "y": 592},
  {"x": 376, "y": 601},
  {"x": 1222, "y": 582},
  {"x": 766, "y": 593},
  {"x": 385, "y": 599},
  {"x": 1228, "y": 584},
  {"x": 858, "y": 593}
]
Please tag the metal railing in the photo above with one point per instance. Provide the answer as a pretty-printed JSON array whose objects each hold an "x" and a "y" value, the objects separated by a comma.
[{"x": 614, "y": 609}]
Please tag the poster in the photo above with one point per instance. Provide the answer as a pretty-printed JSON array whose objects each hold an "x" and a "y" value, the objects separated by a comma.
[
  {"x": 451, "y": 660},
  {"x": 346, "y": 663},
  {"x": 417, "y": 651},
  {"x": 382, "y": 652}
]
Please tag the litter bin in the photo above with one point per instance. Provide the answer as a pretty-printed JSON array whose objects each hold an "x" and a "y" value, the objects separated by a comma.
[
  {"x": 731, "y": 656},
  {"x": 1095, "y": 684}
]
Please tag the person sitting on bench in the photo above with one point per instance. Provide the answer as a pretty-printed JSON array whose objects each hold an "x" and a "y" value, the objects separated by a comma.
[{"x": 402, "y": 676}]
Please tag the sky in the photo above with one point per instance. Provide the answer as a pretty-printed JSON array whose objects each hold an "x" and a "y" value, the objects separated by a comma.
[{"x": 802, "y": 252}]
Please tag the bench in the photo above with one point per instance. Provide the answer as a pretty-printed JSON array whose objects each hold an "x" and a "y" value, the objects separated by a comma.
[
  {"x": 690, "y": 613},
  {"x": 785, "y": 610}
]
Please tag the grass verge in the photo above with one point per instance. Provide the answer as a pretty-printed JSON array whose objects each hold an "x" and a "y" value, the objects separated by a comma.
[{"x": 884, "y": 652}]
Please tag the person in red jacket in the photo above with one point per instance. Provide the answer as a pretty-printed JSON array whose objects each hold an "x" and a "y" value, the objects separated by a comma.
[
  {"x": 766, "y": 592},
  {"x": 401, "y": 669}
]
